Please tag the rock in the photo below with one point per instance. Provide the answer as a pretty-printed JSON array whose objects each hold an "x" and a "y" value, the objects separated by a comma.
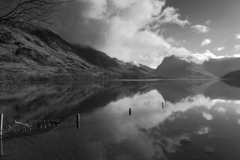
[{"x": 208, "y": 150}]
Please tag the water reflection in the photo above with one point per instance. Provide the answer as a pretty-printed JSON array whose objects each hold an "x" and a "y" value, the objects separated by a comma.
[{"x": 195, "y": 115}]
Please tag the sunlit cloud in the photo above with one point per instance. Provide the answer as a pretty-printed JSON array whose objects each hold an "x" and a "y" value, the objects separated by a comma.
[
  {"x": 221, "y": 110},
  {"x": 237, "y": 47},
  {"x": 173, "y": 41},
  {"x": 170, "y": 15},
  {"x": 128, "y": 30},
  {"x": 238, "y": 111},
  {"x": 203, "y": 130},
  {"x": 205, "y": 42},
  {"x": 207, "y": 116},
  {"x": 236, "y": 55},
  {"x": 200, "y": 29},
  {"x": 238, "y": 36},
  {"x": 219, "y": 48},
  {"x": 210, "y": 55}
]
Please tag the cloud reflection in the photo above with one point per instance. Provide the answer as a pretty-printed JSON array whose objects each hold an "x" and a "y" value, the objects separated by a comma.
[
  {"x": 145, "y": 127},
  {"x": 203, "y": 130},
  {"x": 207, "y": 116}
]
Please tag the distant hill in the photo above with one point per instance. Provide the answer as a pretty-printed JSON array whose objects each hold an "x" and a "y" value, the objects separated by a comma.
[
  {"x": 232, "y": 75},
  {"x": 146, "y": 68},
  {"x": 174, "y": 67},
  {"x": 220, "y": 67},
  {"x": 29, "y": 53}
]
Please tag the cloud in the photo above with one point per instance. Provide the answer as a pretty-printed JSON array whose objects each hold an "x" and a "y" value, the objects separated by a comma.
[
  {"x": 208, "y": 22},
  {"x": 173, "y": 41},
  {"x": 203, "y": 130},
  {"x": 200, "y": 29},
  {"x": 237, "y": 47},
  {"x": 221, "y": 110},
  {"x": 211, "y": 55},
  {"x": 238, "y": 111},
  {"x": 238, "y": 36},
  {"x": 236, "y": 55},
  {"x": 170, "y": 15},
  {"x": 219, "y": 48},
  {"x": 129, "y": 30},
  {"x": 207, "y": 116},
  {"x": 205, "y": 42}
]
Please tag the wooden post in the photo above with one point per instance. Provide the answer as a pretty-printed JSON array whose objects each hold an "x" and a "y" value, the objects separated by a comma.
[
  {"x": 1, "y": 147},
  {"x": 130, "y": 111},
  {"x": 78, "y": 121},
  {"x": 1, "y": 124}
]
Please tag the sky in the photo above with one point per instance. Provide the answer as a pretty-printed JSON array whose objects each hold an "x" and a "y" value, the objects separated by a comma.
[{"x": 145, "y": 31}]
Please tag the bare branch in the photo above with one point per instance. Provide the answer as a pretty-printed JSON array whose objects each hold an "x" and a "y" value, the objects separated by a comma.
[{"x": 43, "y": 12}]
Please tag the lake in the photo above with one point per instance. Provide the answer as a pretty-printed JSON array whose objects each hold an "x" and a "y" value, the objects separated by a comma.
[{"x": 169, "y": 120}]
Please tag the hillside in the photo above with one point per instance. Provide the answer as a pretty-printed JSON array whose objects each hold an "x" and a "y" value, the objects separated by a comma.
[
  {"x": 220, "y": 67},
  {"x": 174, "y": 67},
  {"x": 146, "y": 68},
  {"x": 232, "y": 75},
  {"x": 28, "y": 53}
]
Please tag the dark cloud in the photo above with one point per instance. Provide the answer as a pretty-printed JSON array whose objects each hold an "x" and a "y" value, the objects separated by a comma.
[{"x": 76, "y": 27}]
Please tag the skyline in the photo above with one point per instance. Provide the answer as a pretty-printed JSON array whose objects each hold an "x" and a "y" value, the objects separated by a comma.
[{"x": 144, "y": 31}]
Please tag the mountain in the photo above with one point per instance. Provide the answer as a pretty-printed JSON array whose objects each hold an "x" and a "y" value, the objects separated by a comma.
[
  {"x": 174, "y": 67},
  {"x": 232, "y": 75},
  {"x": 146, "y": 68},
  {"x": 30, "y": 53},
  {"x": 220, "y": 67}
]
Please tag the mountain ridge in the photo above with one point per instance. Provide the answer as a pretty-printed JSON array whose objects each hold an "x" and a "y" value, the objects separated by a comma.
[
  {"x": 37, "y": 54},
  {"x": 175, "y": 67}
]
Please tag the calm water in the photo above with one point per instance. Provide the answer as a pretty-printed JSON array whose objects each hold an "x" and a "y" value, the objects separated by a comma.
[{"x": 170, "y": 120}]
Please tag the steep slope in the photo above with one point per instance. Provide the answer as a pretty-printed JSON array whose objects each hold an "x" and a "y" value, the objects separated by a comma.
[
  {"x": 176, "y": 68},
  {"x": 232, "y": 75},
  {"x": 146, "y": 68},
  {"x": 28, "y": 53},
  {"x": 220, "y": 67}
]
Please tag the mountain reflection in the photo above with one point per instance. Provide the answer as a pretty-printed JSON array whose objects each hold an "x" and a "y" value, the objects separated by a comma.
[
  {"x": 193, "y": 110},
  {"x": 146, "y": 127}
]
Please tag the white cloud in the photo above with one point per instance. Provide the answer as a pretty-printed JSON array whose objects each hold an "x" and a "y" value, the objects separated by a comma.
[
  {"x": 133, "y": 37},
  {"x": 207, "y": 116},
  {"x": 220, "y": 48},
  {"x": 170, "y": 15},
  {"x": 238, "y": 36},
  {"x": 127, "y": 29},
  {"x": 173, "y": 41},
  {"x": 221, "y": 110},
  {"x": 210, "y": 55},
  {"x": 236, "y": 55},
  {"x": 208, "y": 22},
  {"x": 205, "y": 56},
  {"x": 205, "y": 42},
  {"x": 238, "y": 111},
  {"x": 200, "y": 29},
  {"x": 237, "y": 47},
  {"x": 203, "y": 130}
]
